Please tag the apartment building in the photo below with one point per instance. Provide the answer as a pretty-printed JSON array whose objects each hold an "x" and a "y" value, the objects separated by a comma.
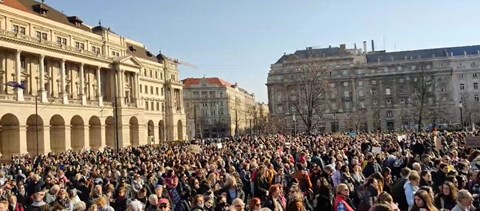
[
  {"x": 217, "y": 108},
  {"x": 379, "y": 90}
]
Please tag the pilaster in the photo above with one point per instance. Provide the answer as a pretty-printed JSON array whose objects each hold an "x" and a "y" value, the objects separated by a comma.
[
  {"x": 82, "y": 84},
  {"x": 18, "y": 75},
  {"x": 42, "y": 92},
  {"x": 63, "y": 93}
]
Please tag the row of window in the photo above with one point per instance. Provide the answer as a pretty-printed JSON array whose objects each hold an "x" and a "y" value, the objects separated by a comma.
[
  {"x": 474, "y": 75},
  {"x": 154, "y": 106},
  {"x": 63, "y": 41},
  {"x": 206, "y": 94},
  {"x": 162, "y": 92},
  {"x": 475, "y": 86}
]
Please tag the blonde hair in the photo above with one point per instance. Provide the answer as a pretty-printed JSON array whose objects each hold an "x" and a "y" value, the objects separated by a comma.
[
  {"x": 464, "y": 194},
  {"x": 101, "y": 202},
  {"x": 341, "y": 186}
]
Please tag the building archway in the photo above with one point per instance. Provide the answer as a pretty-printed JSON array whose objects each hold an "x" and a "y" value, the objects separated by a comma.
[
  {"x": 134, "y": 131},
  {"x": 151, "y": 132},
  {"x": 179, "y": 130},
  {"x": 110, "y": 132},
  {"x": 161, "y": 131},
  {"x": 95, "y": 132},
  {"x": 34, "y": 130},
  {"x": 57, "y": 134},
  {"x": 9, "y": 135},
  {"x": 77, "y": 133}
]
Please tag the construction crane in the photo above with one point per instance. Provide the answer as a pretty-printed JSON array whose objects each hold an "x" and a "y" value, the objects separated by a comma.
[{"x": 184, "y": 63}]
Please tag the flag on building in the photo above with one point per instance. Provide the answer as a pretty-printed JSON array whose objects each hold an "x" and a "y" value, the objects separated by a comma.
[{"x": 15, "y": 84}]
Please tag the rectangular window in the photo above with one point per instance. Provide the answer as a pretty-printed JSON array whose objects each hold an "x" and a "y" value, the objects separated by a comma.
[
  {"x": 389, "y": 102},
  {"x": 400, "y": 80},
  {"x": 162, "y": 91},
  {"x": 152, "y": 104},
  {"x": 61, "y": 41},
  {"x": 360, "y": 83},
  {"x": 387, "y": 91},
  {"x": 389, "y": 114},
  {"x": 158, "y": 106},
  {"x": 475, "y": 85},
  {"x": 146, "y": 105},
  {"x": 141, "y": 88},
  {"x": 156, "y": 90},
  {"x": 345, "y": 83},
  {"x": 462, "y": 86},
  {"x": 360, "y": 93},
  {"x": 151, "y": 90},
  {"x": 80, "y": 46},
  {"x": 362, "y": 105},
  {"x": 18, "y": 29},
  {"x": 374, "y": 82},
  {"x": 401, "y": 91},
  {"x": 477, "y": 98},
  {"x": 474, "y": 75},
  {"x": 460, "y": 76}
]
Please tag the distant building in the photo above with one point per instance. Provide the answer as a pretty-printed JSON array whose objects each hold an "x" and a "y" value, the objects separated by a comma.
[
  {"x": 376, "y": 90},
  {"x": 216, "y": 108}
]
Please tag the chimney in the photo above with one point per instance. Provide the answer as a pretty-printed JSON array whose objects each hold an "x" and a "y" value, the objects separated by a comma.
[
  {"x": 365, "y": 47},
  {"x": 329, "y": 46},
  {"x": 355, "y": 46},
  {"x": 373, "y": 46},
  {"x": 342, "y": 48}
]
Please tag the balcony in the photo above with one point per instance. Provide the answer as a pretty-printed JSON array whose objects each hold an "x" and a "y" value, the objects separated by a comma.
[
  {"x": 8, "y": 97},
  {"x": 47, "y": 44},
  {"x": 173, "y": 82}
]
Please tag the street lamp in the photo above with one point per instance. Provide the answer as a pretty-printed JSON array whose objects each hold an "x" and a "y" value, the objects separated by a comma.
[
  {"x": 294, "y": 125},
  {"x": 461, "y": 114}
]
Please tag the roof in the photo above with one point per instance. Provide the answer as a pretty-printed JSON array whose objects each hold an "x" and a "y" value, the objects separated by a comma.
[
  {"x": 52, "y": 14},
  {"x": 15, "y": 4},
  {"x": 423, "y": 53},
  {"x": 140, "y": 52},
  {"x": 315, "y": 52},
  {"x": 189, "y": 82}
]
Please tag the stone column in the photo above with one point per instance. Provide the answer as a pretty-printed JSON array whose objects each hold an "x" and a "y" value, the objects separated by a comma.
[
  {"x": 18, "y": 74},
  {"x": 68, "y": 137},
  {"x": 46, "y": 140},
  {"x": 143, "y": 134},
  {"x": 103, "y": 143},
  {"x": 22, "y": 144},
  {"x": 99, "y": 87},
  {"x": 86, "y": 134},
  {"x": 63, "y": 93},
  {"x": 82, "y": 84},
  {"x": 120, "y": 87},
  {"x": 42, "y": 93},
  {"x": 137, "y": 93}
]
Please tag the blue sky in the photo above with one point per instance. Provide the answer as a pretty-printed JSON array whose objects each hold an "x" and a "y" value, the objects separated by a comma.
[{"x": 238, "y": 40}]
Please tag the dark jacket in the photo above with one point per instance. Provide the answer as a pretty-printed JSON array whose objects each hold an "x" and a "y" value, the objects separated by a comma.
[
  {"x": 398, "y": 194},
  {"x": 239, "y": 192},
  {"x": 38, "y": 206},
  {"x": 371, "y": 168}
]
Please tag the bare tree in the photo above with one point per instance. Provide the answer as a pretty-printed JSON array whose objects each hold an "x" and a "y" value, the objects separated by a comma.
[
  {"x": 312, "y": 89},
  {"x": 424, "y": 86}
]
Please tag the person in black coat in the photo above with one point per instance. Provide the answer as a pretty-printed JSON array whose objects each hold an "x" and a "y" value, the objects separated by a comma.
[{"x": 372, "y": 166}]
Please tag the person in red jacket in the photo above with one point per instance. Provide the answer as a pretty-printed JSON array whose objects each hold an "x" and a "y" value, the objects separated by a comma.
[
  {"x": 342, "y": 201},
  {"x": 14, "y": 205}
]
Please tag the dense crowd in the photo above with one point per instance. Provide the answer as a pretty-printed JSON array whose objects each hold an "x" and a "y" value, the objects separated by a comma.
[{"x": 340, "y": 172}]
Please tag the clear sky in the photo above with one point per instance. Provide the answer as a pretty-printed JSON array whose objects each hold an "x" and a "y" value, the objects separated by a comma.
[{"x": 238, "y": 40}]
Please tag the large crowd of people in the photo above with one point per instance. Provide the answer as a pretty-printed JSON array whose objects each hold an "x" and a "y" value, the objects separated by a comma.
[{"x": 340, "y": 172}]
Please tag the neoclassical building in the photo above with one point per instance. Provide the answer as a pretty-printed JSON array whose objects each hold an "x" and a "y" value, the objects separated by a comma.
[
  {"x": 379, "y": 90},
  {"x": 217, "y": 108},
  {"x": 90, "y": 87}
]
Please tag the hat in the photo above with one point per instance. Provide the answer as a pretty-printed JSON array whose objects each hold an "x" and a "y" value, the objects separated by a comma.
[{"x": 163, "y": 201}]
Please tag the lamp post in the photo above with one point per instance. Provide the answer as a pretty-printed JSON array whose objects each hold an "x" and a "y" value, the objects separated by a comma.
[
  {"x": 36, "y": 117},
  {"x": 294, "y": 125},
  {"x": 461, "y": 114}
]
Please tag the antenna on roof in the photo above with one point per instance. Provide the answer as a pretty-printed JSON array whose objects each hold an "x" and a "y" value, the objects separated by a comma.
[
  {"x": 159, "y": 51},
  {"x": 43, "y": 1},
  {"x": 203, "y": 75},
  {"x": 100, "y": 22}
]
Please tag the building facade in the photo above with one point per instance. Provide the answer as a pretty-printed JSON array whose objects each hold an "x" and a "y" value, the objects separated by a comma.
[
  {"x": 380, "y": 90},
  {"x": 90, "y": 87},
  {"x": 216, "y": 108}
]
